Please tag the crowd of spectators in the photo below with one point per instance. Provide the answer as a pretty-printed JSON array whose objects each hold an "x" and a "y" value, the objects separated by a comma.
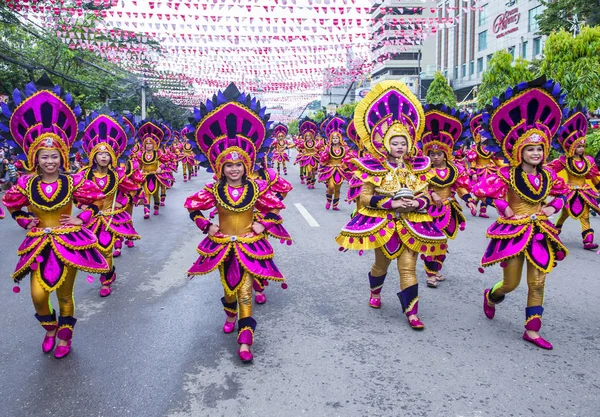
[{"x": 9, "y": 171}]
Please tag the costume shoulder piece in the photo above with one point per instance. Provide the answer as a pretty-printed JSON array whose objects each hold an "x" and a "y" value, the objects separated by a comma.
[{"x": 420, "y": 164}]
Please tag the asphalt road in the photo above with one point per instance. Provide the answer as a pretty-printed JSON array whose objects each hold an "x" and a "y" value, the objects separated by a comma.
[{"x": 155, "y": 346}]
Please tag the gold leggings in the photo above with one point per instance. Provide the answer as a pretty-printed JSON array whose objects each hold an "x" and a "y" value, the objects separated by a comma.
[
  {"x": 64, "y": 293},
  {"x": 584, "y": 219},
  {"x": 333, "y": 189},
  {"x": 243, "y": 296},
  {"x": 536, "y": 281},
  {"x": 156, "y": 195},
  {"x": 407, "y": 267},
  {"x": 187, "y": 168},
  {"x": 310, "y": 172}
]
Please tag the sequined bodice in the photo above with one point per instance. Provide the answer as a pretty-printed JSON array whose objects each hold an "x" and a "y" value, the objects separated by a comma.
[
  {"x": 49, "y": 201},
  {"x": 235, "y": 206},
  {"x": 528, "y": 192},
  {"x": 150, "y": 161}
]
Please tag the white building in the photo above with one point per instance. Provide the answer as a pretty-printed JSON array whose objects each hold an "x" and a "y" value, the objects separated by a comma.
[
  {"x": 465, "y": 47},
  {"x": 409, "y": 56}
]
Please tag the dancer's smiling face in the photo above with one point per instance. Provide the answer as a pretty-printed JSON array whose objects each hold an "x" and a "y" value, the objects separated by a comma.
[
  {"x": 49, "y": 161},
  {"x": 233, "y": 172},
  {"x": 533, "y": 154}
]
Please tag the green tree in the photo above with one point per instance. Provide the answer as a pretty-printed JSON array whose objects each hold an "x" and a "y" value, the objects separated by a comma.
[
  {"x": 346, "y": 110},
  {"x": 575, "y": 63},
  {"x": 319, "y": 116},
  {"x": 557, "y": 14},
  {"x": 440, "y": 92},
  {"x": 293, "y": 127},
  {"x": 501, "y": 74}
]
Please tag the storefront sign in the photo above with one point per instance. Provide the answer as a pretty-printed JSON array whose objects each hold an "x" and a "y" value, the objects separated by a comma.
[{"x": 507, "y": 22}]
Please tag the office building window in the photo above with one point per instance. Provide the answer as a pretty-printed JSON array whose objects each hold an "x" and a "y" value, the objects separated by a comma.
[
  {"x": 532, "y": 22},
  {"x": 464, "y": 70},
  {"x": 482, "y": 41},
  {"x": 488, "y": 59},
  {"x": 511, "y": 51},
  {"x": 537, "y": 47},
  {"x": 455, "y": 72},
  {"x": 479, "y": 65},
  {"x": 483, "y": 15},
  {"x": 471, "y": 67},
  {"x": 524, "y": 50}
]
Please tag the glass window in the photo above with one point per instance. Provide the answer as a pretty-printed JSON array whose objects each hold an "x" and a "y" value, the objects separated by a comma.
[
  {"x": 487, "y": 61},
  {"x": 479, "y": 65},
  {"x": 471, "y": 67},
  {"x": 482, "y": 41},
  {"x": 483, "y": 15},
  {"x": 464, "y": 70},
  {"x": 537, "y": 47},
  {"x": 532, "y": 22},
  {"x": 524, "y": 49},
  {"x": 511, "y": 50},
  {"x": 455, "y": 72}
]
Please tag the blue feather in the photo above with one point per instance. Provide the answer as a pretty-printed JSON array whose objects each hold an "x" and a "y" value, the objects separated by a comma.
[
  {"x": 509, "y": 92},
  {"x": 56, "y": 89},
  {"x": 556, "y": 89},
  {"x": 197, "y": 115},
  {"x": 221, "y": 98},
  {"x": 262, "y": 112},
  {"x": 5, "y": 110},
  {"x": 495, "y": 101},
  {"x": 522, "y": 86},
  {"x": 548, "y": 84},
  {"x": 68, "y": 99},
  {"x": 4, "y": 128},
  {"x": 209, "y": 106},
  {"x": 77, "y": 111},
  {"x": 16, "y": 97},
  {"x": 30, "y": 89}
]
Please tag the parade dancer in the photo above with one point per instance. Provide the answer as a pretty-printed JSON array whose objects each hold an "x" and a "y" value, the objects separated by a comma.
[
  {"x": 104, "y": 141},
  {"x": 188, "y": 161},
  {"x": 482, "y": 162},
  {"x": 298, "y": 141},
  {"x": 445, "y": 129},
  {"x": 152, "y": 162},
  {"x": 580, "y": 173},
  {"x": 281, "y": 147},
  {"x": 41, "y": 122},
  {"x": 333, "y": 168},
  {"x": 230, "y": 131},
  {"x": 170, "y": 165},
  {"x": 309, "y": 150},
  {"x": 393, "y": 220},
  {"x": 522, "y": 124}
]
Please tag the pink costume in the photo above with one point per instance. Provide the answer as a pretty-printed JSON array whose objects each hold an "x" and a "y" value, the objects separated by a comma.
[
  {"x": 280, "y": 147},
  {"x": 153, "y": 164},
  {"x": 580, "y": 173},
  {"x": 308, "y": 151},
  {"x": 481, "y": 160},
  {"x": 391, "y": 111},
  {"x": 445, "y": 129},
  {"x": 53, "y": 251},
  {"x": 333, "y": 169},
  {"x": 527, "y": 115},
  {"x": 112, "y": 223},
  {"x": 230, "y": 129}
]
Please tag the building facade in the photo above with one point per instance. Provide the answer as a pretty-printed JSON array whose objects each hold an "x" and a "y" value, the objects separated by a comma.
[
  {"x": 395, "y": 21},
  {"x": 465, "y": 46}
]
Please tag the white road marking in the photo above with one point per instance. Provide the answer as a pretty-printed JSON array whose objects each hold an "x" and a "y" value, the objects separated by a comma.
[{"x": 309, "y": 219}]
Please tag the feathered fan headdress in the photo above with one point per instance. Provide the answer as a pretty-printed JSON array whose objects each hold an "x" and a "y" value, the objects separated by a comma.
[{"x": 231, "y": 127}]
